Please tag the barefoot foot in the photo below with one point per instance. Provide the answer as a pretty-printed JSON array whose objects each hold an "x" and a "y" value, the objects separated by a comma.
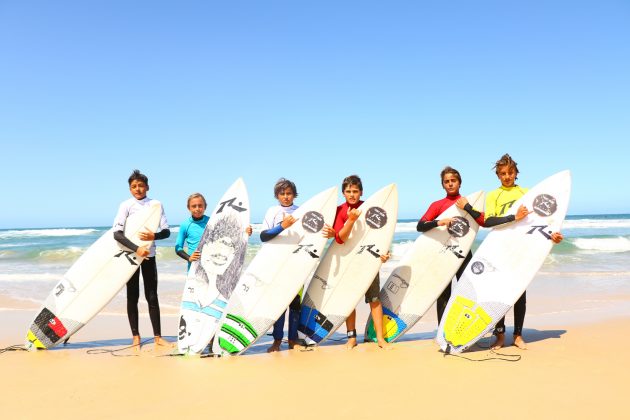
[
  {"x": 352, "y": 343},
  {"x": 135, "y": 342},
  {"x": 519, "y": 342},
  {"x": 159, "y": 341},
  {"x": 275, "y": 346},
  {"x": 499, "y": 342}
]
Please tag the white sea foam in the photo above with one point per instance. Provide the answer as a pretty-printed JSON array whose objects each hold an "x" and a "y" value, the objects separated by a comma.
[
  {"x": 618, "y": 244},
  {"x": 9, "y": 234},
  {"x": 596, "y": 224},
  {"x": 47, "y": 277}
]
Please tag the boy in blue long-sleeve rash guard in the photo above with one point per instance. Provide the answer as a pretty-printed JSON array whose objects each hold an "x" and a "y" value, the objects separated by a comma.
[
  {"x": 276, "y": 220},
  {"x": 191, "y": 230}
]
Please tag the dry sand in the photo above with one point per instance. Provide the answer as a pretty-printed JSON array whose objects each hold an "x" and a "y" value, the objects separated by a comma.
[{"x": 571, "y": 371}]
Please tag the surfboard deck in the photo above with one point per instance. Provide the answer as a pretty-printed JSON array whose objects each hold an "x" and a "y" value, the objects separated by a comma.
[
  {"x": 347, "y": 270},
  {"x": 425, "y": 271},
  {"x": 504, "y": 265},
  {"x": 211, "y": 279},
  {"x": 275, "y": 276},
  {"x": 91, "y": 282}
]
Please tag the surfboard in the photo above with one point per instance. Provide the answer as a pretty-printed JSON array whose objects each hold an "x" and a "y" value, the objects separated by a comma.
[
  {"x": 211, "y": 279},
  {"x": 275, "y": 276},
  {"x": 503, "y": 265},
  {"x": 91, "y": 282},
  {"x": 425, "y": 271},
  {"x": 347, "y": 270}
]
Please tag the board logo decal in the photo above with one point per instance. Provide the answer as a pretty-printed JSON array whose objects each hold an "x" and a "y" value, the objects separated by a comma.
[
  {"x": 376, "y": 217},
  {"x": 459, "y": 227},
  {"x": 59, "y": 290},
  {"x": 182, "y": 328},
  {"x": 477, "y": 267},
  {"x": 455, "y": 249},
  {"x": 545, "y": 205},
  {"x": 541, "y": 230},
  {"x": 230, "y": 203},
  {"x": 324, "y": 282},
  {"x": 308, "y": 249},
  {"x": 313, "y": 221},
  {"x": 127, "y": 255},
  {"x": 393, "y": 287},
  {"x": 368, "y": 248}
]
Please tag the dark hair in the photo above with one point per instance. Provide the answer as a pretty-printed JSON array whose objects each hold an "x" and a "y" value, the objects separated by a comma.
[
  {"x": 506, "y": 160},
  {"x": 231, "y": 227},
  {"x": 282, "y": 185},
  {"x": 449, "y": 170},
  {"x": 136, "y": 175},
  {"x": 352, "y": 180},
  {"x": 196, "y": 195}
]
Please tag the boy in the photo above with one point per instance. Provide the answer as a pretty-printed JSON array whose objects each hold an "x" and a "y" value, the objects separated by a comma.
[
  {"x": 138, "y": 186},
  {"x": 498, "y": 202},
  {"x": 276, "y": 220},
  {"x": 347, "y": 214}
]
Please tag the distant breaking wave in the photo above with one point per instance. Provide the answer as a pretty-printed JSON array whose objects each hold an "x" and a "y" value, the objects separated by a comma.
[
  {"x": 10, "y": 234},
  {"x": 617, "y": 244}
]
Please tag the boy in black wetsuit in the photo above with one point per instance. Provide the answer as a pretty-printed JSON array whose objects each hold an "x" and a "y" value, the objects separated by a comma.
[{"x": 138, "y": 186}]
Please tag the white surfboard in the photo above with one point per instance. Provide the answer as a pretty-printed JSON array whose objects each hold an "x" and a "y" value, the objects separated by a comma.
[
  {"x": 425, "y": 271},
  {"x": 212, "y": 278},
  {"x": 503, "y": 265},
  {"x": 275, "y": 276},
  {"x": 348, "y": 269},
  {"x": 91, "y": 282}
]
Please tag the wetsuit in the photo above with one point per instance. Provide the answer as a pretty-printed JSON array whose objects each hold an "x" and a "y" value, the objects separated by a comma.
[
  {"x": 148, "y": 266},
  {"x": 190, "y": 233},
  {"x": 499, "y": 202},
  {"x": 429, "y": 221},
  {"x": 272, "y": 226}
]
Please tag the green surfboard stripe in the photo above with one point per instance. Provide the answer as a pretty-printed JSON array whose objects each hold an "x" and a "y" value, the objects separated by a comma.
[
  {"x": 236, "y": 334},
  {"x": 244, "y": 322},
  {"x": 227, "y": 346}
]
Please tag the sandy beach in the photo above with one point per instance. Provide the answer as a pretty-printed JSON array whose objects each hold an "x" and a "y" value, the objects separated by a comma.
[{"x": 569, "y": 371}]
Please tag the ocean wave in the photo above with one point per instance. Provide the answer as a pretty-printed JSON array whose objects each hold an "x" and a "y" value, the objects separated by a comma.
[
  {"x": 596, "y": 224},
  {"x": 30, "y": 233},
  {"x": 47, "y": 277},
  {"x": 616, "y": 244}
]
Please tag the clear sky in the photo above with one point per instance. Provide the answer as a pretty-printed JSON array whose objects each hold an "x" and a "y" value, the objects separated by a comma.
[{"x": 198, "y": 93}]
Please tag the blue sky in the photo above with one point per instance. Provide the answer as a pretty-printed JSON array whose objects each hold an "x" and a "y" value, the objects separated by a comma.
[{"x": 198, "y": 93}]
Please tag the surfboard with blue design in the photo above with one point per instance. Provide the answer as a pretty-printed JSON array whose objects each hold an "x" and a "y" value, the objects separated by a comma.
[{"x": 212, "y": 278}]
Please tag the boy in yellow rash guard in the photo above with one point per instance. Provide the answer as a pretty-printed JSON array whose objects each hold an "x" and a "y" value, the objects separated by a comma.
[{"x": 498, "y": 202}]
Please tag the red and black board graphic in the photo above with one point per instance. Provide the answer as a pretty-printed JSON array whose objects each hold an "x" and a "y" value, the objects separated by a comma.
[{"x": 50, "y": 325}]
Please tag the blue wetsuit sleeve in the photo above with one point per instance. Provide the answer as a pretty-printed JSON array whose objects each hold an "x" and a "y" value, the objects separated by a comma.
[{"x": 269, "y": 234}]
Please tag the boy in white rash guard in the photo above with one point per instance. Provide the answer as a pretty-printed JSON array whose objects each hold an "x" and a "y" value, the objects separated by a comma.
[
  {"x": 276, "y": 220},
  {"x": 138, "y": 186}
]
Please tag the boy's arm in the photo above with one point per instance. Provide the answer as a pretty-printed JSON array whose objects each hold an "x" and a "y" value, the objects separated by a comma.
[
  {"x": 269, "y": 234},
  {"x": 120, "y": 237},
  {"x": 179, "y": 244},
  {"x": 342, "y": 235}
]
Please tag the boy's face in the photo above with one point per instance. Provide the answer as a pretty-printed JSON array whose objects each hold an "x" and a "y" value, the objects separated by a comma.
[
  {"x": 450, "y": 184},
  {"x": 138, "y": 189},
  {"x": 197, "y": 207},
  {"x": 507, "y": 175},
  {"x": 286, "y": 197},
  {"x": 352, "y": 194}
]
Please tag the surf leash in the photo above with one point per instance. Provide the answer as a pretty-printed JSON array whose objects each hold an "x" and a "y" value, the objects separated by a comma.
[
  {"x": 114, "y": 352},
  {"x": 15, "y": 347}
]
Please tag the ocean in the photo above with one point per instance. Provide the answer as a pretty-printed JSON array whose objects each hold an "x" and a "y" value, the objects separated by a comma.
[{"x": 594, "y": 258}]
